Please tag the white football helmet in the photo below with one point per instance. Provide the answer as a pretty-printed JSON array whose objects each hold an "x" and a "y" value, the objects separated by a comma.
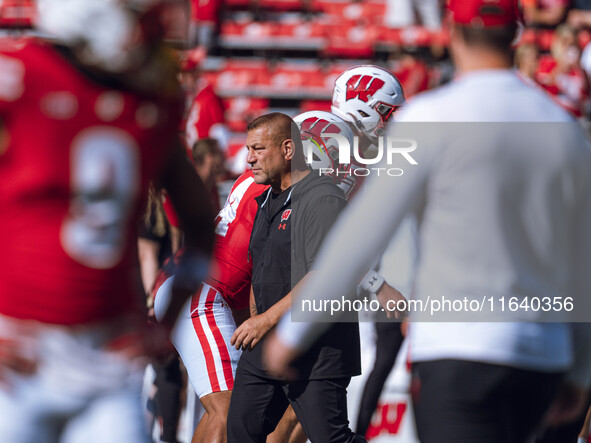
[
  {"x": 107, "y": 34},
  {"x": 366, "y": 96},
  {"x": 322, "y": 151}
]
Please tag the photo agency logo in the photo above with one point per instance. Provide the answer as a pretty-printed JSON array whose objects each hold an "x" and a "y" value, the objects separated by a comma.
[{"x": 340, "y": 156}]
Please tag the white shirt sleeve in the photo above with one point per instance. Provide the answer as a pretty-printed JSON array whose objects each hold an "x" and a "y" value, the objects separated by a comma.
[
  {"x": 362, "y": 233},
  {"x": 580, "y": 372}
]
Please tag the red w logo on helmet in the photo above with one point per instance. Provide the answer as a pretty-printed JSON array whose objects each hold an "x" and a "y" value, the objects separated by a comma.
[
  {"x": 363, "y": 88},
  {"x": 316, "y": 126}
]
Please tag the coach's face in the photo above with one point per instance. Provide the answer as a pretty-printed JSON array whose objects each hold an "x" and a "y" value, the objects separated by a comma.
[{"x": 267, "y": 156}]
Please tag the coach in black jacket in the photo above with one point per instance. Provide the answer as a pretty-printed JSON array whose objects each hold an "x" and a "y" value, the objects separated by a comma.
[{"x": 293, "y": 218}]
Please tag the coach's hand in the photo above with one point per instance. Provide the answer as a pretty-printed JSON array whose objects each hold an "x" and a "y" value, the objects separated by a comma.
[{"x": 251, "y": 331}]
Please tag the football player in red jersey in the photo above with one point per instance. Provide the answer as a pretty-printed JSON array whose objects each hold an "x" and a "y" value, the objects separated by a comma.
[
  {"x": 206, "y": 324},
  {"x": 88, "y": 117},
  {"x": 205, "y": 110}
]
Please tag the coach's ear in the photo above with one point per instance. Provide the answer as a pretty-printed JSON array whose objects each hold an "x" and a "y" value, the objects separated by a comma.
[{"x": 288, "y": 147}]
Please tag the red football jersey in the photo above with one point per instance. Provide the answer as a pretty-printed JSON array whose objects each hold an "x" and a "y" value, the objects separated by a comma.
[
  {"x": 205, "y": 10},
  {"x": 232, "y": 268},
  {"x": 206, "y": 112},
  {"x": 75, "y": 163}
]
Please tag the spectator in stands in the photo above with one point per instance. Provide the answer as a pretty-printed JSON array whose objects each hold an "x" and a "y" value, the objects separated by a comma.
[
  {"x": 580, "y": 14},
  {"x": 526, "y": 61},
  {"x": 544, "y": 13},
  {"x": 560, "y": 72}
]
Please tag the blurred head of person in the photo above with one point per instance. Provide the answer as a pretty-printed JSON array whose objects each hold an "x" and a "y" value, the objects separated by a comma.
[
  {"x": 366, "y": 97},
  {"x": 189, "y": 72},
  {"x": 209, "y": 160},
  {"x": 526, "y": 60},
  {"x": 482, "y": 33},
  {"x": 120, "y": 38},
  {"x": 564, "y": 47}
]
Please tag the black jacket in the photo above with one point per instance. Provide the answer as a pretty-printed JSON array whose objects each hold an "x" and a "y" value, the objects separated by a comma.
[{"x": 283, "y": 245}]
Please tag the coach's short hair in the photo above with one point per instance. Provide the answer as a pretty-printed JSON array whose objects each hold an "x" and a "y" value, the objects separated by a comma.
[{"x": 282, "y": 128}]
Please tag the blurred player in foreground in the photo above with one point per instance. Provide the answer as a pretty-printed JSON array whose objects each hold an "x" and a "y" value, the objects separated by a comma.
[
  {"x": 503, "y": 213},
  {"x": 88, "y": 117}
]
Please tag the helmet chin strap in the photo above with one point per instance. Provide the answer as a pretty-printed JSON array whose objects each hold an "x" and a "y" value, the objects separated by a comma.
[{"x": 359, "y": 130}]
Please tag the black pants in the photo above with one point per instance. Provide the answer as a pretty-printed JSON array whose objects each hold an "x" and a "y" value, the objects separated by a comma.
[
  {"x": 258, "y": 404},
  {"x": 465, "y": 402},
  {"x": 388, "y": 342}
]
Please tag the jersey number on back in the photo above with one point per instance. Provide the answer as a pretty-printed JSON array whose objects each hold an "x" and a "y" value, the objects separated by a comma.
[{"x": 104, "y": 182}]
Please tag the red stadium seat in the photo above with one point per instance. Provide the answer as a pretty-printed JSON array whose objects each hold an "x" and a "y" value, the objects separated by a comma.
[
  {"x": 296, "y": 80},
  {"x": 414, "y": 36},
  {"x": 350, "y": 40},
  {"x": 282, "y": 5},
  {"x": 247, "y": 34},
  {"x": 236, "y": 4},
  {"x": 315, "y": 105},
  {"x": 291, "y": 33},
  {"x": 330, "y": 7},
  {"x": 17, "y": 13},
  {"x": 316, "y": 79},
  {"x": 239, "y": 78},
  {"x": 300, "y": 34},
  {"x": 241, "y": 110},
  {"x": 369, "y": 11}
]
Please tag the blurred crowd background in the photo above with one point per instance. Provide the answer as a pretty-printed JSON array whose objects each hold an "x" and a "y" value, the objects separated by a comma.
[{"x": 243, "y": 58}]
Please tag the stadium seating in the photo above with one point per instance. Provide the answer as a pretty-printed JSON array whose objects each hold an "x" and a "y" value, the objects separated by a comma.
[{"x": 17, "y": 14}]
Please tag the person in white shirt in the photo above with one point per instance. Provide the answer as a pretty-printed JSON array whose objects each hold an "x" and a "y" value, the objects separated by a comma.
[{"x": 504, "y": 214}]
